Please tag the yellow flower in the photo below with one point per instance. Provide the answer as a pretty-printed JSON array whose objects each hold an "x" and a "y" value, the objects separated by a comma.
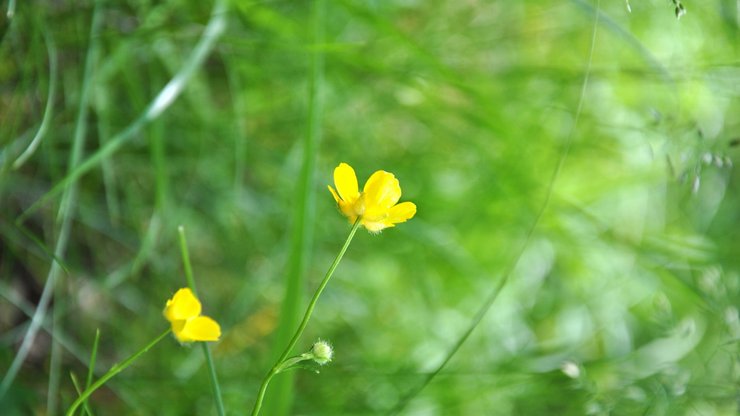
[
  {"x": 183, "y": 312},
  {"x": 376, "y": 204}
]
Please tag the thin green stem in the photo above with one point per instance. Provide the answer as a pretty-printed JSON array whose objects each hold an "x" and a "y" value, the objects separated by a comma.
[
  {"x": 112, "y": 373},
  {"x": 91, "y": 365},
  {"x": 76, "y": 385},
  {"x": 50, "y": 100},
  {"x": 306, "y": 317},
  {"x": 186, "y": 260},
  {"x": 312, "y": 303},
  {"x": 55, "y": 356},
  {"x": 215, "y": 387}
]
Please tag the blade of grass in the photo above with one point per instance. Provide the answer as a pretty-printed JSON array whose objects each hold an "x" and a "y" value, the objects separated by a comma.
[
  {"x": 55, "y": 359},
  {"x": 628, "y": 38},
  {"x": 102, "y": 104},
  {"x": 91, "y": 366},
  {"x": 11, "y": 9},
  {"x": 168, "y": 94},
  {"x": 216, "y": 389},
  {"x": 280, "y": 397},
  {"x": 239, "y": 106},
  {"x": 17, "y": 231},
  {"x": 117, "y": 368},
  {"x": 186, "y": 259},
  {"x": 65, "y": 214},
  {"x": 159, "y": 162},
  {"x": 68, "y": 204},
  {"x": 48, "y": 111},
  {"x": 491, "y": 298},
  {"x": 76, "y": 384},
  {"x": 144, "y": 254},
  {"x": 13, "y": 298}
]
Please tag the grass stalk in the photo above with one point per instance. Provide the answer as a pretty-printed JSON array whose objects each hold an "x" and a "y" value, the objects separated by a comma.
[
  {"x": 76, "y": 385},
  {"x": 186, "y": 260},
  {"x": 113, "y": 372},
  {"x": 91, "y": 365},
  {"x": 102, "y": 105},
  {"x": 50, "y": 99},
  {"x": 303, "y": 218},
  {"x": 159, "y": 162},
  {"x": 26, "y": 308},
  {"x": 215, "y": 387},
  {"x": 55, "y": 357},
  {"x": 163, "y": 100},
  {"x": 11, "y": 9},
  {"x": 65, "y": 214},
  {"x": 69, "y": 200}
]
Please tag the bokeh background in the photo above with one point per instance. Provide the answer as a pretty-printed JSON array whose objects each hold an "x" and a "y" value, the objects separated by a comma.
[{"x": 572, "y": 163}]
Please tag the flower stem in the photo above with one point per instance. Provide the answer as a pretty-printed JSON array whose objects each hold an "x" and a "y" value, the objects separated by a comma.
[
  {"x": 214, "y": 379},
  {"x": 117, "y": 368},
  {"x": 186, "y": 260},
  {"x": 306, "y": 317},
  {"x": 215, "y": 387}
]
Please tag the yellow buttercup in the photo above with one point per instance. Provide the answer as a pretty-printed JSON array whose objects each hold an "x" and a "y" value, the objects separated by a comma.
[
  {"x": 183, "y": 312},
  {"x": 376, "y": 205}
]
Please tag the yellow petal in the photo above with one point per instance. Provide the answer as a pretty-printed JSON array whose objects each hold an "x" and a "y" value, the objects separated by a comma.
[
  {"x": 375, "y": 226},
  {"x": 346, "y": 182},
  {"x": 177, "y": 327},
  {"x": 401, "y": 212},
  {"x": 184, "y": 305},
  {"x": 381, "y": 192},
  {"x": 333, "y": 193},
  {"x": 201, "y": 328}
]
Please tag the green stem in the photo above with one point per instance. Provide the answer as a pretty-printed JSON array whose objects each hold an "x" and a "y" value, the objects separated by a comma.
[
  {"x": 76, "y": 385},
  {"x": 215, "y": 387},
  {"x": 186, "y": 260},
  {"x": 112, "y": 372},
  {"x": 306, "y": 317},
  {"x": 91, "y": 368}
]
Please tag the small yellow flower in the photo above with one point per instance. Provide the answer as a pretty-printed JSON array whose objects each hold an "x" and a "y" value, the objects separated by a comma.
[
  {"x": 183, "y": 312},
  {"x": 376, "y": 204}
]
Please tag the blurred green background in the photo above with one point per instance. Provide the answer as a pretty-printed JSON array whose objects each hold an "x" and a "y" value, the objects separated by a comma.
[{"x": 575, "y": 154}]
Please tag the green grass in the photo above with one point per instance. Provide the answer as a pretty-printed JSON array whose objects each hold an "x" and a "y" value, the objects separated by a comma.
[{"x": 572, "y": 164}]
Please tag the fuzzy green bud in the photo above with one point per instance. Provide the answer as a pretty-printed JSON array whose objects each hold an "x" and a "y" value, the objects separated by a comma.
[{"x": 321, "y": 352}]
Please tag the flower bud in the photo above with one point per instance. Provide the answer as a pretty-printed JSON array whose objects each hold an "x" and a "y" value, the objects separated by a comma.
[{"x": 321, "y": 352}]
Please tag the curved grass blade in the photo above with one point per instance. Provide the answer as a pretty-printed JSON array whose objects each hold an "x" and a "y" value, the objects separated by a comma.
[
  {"x": 48, "y": 110},
  {"x": 66, "y": 212},
  {"x": 168, "y": 94},
  {"x": 491, "y": 299}
]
